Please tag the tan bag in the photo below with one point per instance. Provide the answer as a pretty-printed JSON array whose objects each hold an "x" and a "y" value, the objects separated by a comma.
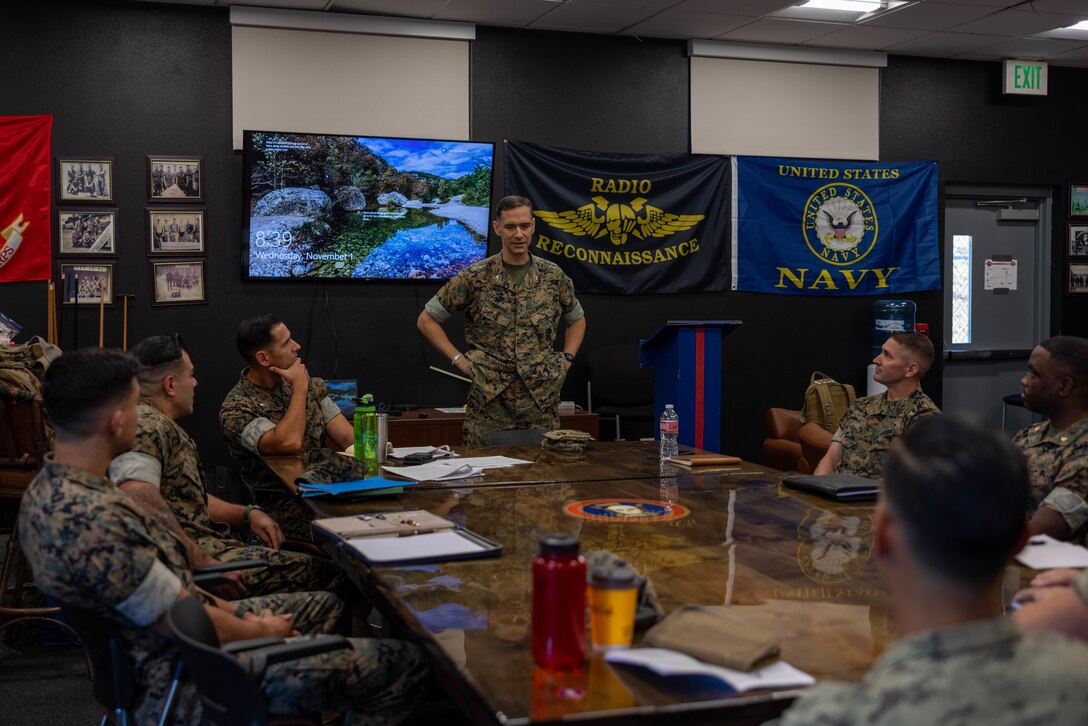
[{"x": 826, "y": 400}]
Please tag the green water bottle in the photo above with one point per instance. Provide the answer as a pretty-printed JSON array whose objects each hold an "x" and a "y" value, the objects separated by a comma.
[
  {"x": 365, "y": 405},
  {"x": 369, "y": 435}
]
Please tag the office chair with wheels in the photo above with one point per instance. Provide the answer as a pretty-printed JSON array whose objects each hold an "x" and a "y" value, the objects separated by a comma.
[
  {"x": 619, "y": 390},
  {"x": 111, "y": 670},
  {"x": 228, "y": 690}
]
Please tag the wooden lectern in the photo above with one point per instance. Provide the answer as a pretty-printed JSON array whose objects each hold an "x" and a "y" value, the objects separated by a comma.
[{"x": 686, "y": 356}]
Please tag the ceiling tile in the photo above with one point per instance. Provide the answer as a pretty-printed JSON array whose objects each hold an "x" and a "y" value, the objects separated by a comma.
[
  {"x": 595, "y": 16},
  {"x": 863, "y": 37},
  {"x": 1024, "y": 48},
  {"x": 284, "y": 4},
  {"x": 769, "y": 30},
  {"x": 943, "y": 45},
  {"x": 930, "y": 16},
  {"x": 1015, "y": 23},
  {"x": 411, "y": 8},
  {"x": 681, "y": 24},
  {"x": 754, "y": 8},
  {"x": 518, "y": 13},
  {"x": 1069, "y": 7}
]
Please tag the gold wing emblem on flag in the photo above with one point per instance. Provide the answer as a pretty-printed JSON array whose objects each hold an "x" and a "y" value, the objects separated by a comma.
[
  {"x": 581, "y": 221},
  {"x": 656, "y": 222}
]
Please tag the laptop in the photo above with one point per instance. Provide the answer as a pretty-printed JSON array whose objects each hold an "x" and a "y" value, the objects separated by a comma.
[{"x": 840, "y": 487}]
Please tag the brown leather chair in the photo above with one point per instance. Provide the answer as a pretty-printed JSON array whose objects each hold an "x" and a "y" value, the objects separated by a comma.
[
  {"x": 815, "y": 441},
  {"x": 24, "y": 442},
  {"x": 781, "y": 449}
]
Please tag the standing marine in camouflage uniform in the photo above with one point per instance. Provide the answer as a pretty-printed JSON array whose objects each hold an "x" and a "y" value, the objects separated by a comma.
[
  {"x": 1056, "y": 385},
  {"x": 94, "y": 547},
  {"x": 513, "y": 303},
  {"x": 163, "y": 472},
  {"x": 276, "y": 408},
  {"x": 869, "y": 427},
  {"x": 960, "y": 661}
]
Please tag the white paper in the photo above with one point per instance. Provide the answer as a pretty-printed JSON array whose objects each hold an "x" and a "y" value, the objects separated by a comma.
[
  {"x": 435, "y": 471},
  {"x": 662, "y": 661},
  {"x": 491, "y": 462},
  {"x": 454, "y": 409},
  {"x": 438, "y": 452},
  {"x": 999, "y": 273},
  {"x": 1043, "y": 552},
  {"x": 414, "y": 547}
]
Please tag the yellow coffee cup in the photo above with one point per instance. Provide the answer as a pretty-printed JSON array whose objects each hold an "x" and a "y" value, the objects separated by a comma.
[{"x": 613, "y": 593}]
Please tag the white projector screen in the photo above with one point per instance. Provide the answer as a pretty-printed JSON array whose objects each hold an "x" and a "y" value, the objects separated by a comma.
[
  {"x": 349, "y": 83},
  {"x": 763, "y": 108}
]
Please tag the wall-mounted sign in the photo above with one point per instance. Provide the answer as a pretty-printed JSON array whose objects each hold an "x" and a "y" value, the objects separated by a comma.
[{"x": 1025, "y": 77}]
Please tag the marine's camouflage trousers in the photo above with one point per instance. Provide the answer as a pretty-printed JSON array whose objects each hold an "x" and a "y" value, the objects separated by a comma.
[
  {"x": 286, "y": 571},
  {"x": 513, "y": 408},
  {"x": 290, "y": 513}
]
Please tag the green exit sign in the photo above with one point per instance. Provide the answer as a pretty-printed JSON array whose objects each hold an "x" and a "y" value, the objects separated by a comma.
[{"x": 1025, "y": 77}]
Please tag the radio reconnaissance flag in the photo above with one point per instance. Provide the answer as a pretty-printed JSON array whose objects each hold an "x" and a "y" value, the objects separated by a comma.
[{"x": 626, "y": 223}]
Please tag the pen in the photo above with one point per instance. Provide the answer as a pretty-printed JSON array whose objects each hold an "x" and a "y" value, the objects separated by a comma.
[
  {"x": 420, "y": 531},
  {"x": 1036, "y": 541}
]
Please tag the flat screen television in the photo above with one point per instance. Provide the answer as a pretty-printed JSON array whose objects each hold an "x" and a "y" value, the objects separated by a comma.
[{"x": 325, "y": 206}]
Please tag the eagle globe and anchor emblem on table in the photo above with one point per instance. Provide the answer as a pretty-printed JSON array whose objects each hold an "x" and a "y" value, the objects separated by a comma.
[
  {"x": 602, "y": 217},
  {"x": 837, "y": 221}
]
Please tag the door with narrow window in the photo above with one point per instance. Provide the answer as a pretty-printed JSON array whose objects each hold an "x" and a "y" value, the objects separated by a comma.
[{"x": 997, "y": 262}]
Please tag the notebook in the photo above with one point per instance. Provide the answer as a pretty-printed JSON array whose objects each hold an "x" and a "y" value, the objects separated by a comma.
[
  {"x": 842, "y": 487},
  {"x": 705, "y": 459}
]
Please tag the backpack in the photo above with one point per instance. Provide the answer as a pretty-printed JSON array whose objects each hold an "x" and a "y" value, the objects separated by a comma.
[{"x": 826, "y": 400}]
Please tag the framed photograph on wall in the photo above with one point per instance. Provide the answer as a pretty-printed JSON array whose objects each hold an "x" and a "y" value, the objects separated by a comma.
[
  {"x": 1078, "y": 278},
  {"x": 1078, "y": 200},
  {"x": 175, "y": 231},
  {"x": 175, "y": 178},
  {"x": 85, "y": 179},
  {"x": 86, "y": 232},
  {"x": 177, "y": 282},
  {"x": 1078, "y": 240},
  {"x": 86, "y": 284}
]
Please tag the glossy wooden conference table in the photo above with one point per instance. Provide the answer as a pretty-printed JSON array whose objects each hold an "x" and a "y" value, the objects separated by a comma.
[
  {"x": 800, "y": 565},
  {"x": 602, "y": 460}
]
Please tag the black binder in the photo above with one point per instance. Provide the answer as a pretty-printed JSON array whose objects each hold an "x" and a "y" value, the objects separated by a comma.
[{"x": 841, "y": 487}]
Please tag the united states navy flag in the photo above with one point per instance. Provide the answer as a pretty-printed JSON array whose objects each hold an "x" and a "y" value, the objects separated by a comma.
[
  {"x": 626, "y": 223},
  {"x": 804, "y": 227}
]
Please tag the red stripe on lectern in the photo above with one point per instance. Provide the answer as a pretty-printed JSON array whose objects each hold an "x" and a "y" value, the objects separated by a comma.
[{"x": 699, "y": 342}]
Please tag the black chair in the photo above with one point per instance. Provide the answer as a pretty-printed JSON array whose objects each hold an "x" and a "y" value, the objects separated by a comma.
[
  {"x": 111, "y": 670},
  {"x": 228, "y": 690},
  {"x": 618, "y": 389},
  {"x": 516, "y": 437}
]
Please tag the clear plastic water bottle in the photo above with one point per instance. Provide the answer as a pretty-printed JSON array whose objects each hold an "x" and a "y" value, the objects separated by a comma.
[
  {"x": 670, "y": 431},
  {"x": 891, "y": 316}
]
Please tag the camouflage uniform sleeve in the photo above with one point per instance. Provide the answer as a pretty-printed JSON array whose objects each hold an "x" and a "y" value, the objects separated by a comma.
[
  {"x": 832, "y": 704},
  {"x": 1081, "y": 585},
  {"x": 124, "y": 571},
  {"x": 924, "y": 408},
  {"x": 454, "y": 295},
  {"x": 320, "y": 391},
  {"x": 438, "y": 313},
  {"x": 144, "y": 461},
  {"x": 1067, "y": 498},
  {"x": 243, "y": 426},
  {"x": 572, "y": 309}
]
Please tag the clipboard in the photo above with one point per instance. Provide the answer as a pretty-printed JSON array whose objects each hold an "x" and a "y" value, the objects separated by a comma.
[
  {"x": 421, "y": 549},
  {"x": 386, "y": 524}
]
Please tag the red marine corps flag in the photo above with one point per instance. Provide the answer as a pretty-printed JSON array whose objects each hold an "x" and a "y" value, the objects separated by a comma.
[{"x": 25, "y": 240}]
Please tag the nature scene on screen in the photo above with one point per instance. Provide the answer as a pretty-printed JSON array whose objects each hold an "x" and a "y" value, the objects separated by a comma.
[{"x": 324, "y": 206}]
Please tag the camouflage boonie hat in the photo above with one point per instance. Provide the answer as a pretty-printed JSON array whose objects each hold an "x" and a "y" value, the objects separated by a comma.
[
  {"x": 566, "y": 440},
  {"x": 324, "y": 466}
]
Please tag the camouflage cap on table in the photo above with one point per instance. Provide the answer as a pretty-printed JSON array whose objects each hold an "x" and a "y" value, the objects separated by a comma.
[{"x": 566, "y": 440}]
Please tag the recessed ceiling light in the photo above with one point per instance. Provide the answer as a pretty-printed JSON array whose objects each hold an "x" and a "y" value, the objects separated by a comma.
[
  {"x": 1082, "y": 25},
  {"x": 841, "y": 11}
]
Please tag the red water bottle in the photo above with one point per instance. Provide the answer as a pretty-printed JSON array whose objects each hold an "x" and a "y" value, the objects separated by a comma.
[{"x": 559, "y": 604}]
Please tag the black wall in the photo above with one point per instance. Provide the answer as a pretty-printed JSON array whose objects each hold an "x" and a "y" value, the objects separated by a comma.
[{"x": 128, "y": 80}]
